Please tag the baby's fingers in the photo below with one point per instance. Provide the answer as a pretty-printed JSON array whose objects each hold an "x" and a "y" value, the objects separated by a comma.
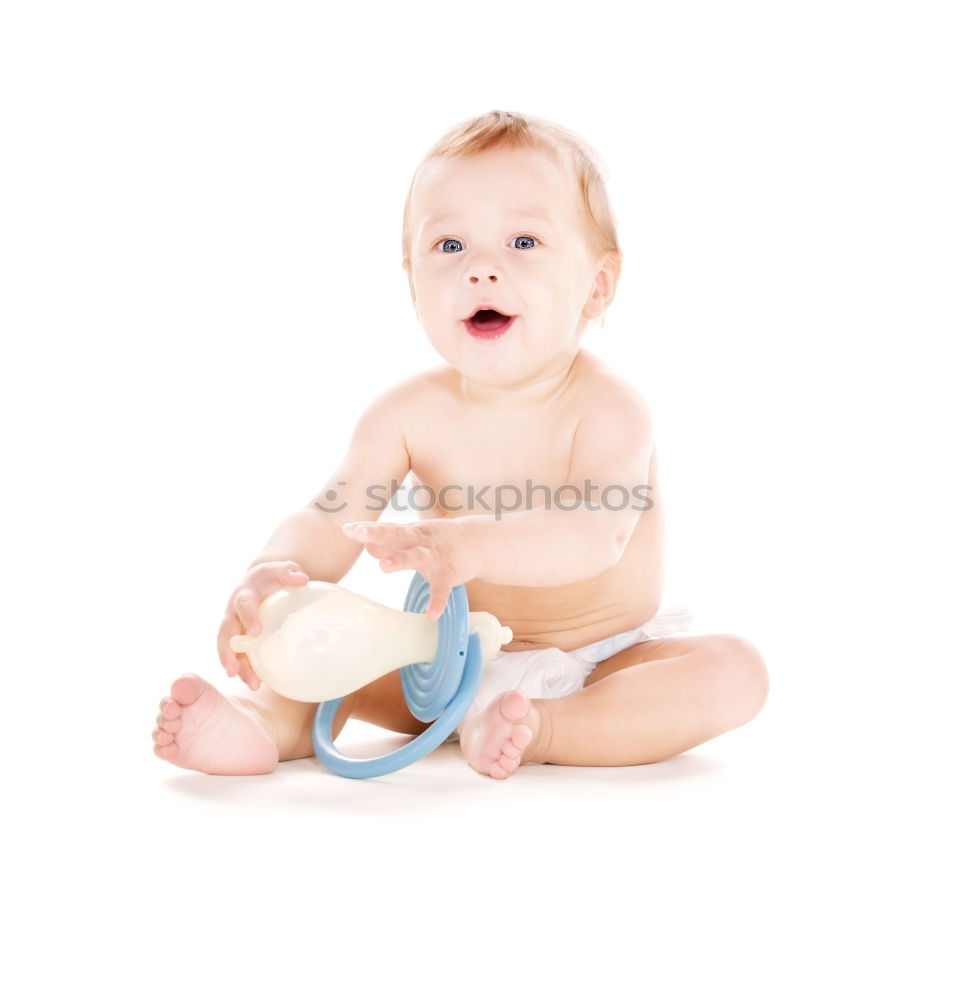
[
  {"x": 248, "y": 674},
  {"x": 382, "y": 536},
  {"x": 439, "y": 595},
  {"x": 235, "y": 664},
  {"x": 246, "y": 608},
  {"x": 229, "y": 660},
  {"x": 285, "y": 574},
  {"x": 264, "y": 580}
]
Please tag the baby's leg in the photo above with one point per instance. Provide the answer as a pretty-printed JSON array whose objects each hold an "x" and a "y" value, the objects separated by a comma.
[
  {"x": 382, "y": 703},
  {"x": 647, "y": 703},
  {"x": 656, "y": 700},
  {"x": 201, "y": 729}
]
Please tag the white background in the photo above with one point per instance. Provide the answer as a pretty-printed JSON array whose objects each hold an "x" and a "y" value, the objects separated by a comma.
[{"x": 200, "y": 288}]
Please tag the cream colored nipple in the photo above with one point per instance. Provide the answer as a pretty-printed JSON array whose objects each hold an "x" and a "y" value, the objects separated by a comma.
[{"x": 320, "y": 641}]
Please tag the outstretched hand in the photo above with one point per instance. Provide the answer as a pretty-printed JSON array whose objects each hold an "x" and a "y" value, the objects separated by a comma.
[{"x": 439, "y": 549}]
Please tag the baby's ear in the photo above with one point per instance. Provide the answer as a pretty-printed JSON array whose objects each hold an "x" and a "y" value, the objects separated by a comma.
[{"x": 606, "y": 281}]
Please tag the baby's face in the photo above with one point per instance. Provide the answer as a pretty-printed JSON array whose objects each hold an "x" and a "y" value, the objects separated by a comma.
[{"x": 502, "y": 230}]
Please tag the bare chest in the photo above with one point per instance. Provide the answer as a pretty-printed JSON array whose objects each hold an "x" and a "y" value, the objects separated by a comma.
[{"x": 466, "y": 461}]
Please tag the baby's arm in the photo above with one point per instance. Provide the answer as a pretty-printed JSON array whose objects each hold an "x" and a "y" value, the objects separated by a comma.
[
  {"x": 311, "y": 540},
  {"x": 358, "y": 490}
]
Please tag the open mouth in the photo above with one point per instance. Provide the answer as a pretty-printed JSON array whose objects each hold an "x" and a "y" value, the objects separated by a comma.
[{"x": 488, "y": 324}]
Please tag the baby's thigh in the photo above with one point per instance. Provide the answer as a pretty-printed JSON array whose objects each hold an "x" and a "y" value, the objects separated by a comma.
[
  {"x": 646, "y": 652},
  {"x": 729, "y": 661}
]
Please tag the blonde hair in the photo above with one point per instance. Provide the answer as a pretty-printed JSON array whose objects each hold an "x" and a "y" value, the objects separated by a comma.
[{"x": 518, "y": 131}]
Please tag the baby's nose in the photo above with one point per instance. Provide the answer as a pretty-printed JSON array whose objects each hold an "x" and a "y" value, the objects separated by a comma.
[{"x": 482, "y": 270}]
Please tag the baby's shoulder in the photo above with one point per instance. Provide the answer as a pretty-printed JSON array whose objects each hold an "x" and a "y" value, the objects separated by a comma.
[
  {"x": 413, "y": 396},
  {"x": 426, "y": 388},
  {"x": 600, "y": 388},
  {"x": 414, "y": 388}
]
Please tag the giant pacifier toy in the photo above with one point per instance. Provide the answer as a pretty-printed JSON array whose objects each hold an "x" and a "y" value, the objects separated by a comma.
[{"x": 319, "y": 642}]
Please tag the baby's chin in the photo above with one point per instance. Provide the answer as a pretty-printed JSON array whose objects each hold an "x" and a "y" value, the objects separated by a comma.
[
  {"x": 511, "y": 377},
  {"x": 504, "y": 363}
]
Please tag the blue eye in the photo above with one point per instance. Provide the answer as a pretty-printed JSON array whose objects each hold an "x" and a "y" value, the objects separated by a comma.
[{"x": 450, "y": 245}]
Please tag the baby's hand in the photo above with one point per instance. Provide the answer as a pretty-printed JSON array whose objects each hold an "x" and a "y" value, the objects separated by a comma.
[
  {"x": 439, "y": 549},
  {"x": 242, "y": 612}
]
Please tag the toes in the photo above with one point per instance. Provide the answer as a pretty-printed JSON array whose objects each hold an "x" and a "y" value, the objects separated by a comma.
[
  {"x": 169, "y": 719},
  {"x": 521, "y": 736},
  {"x": 169, "y": 725},
  {"x": 510, "y": 757},
  {"x": 187, "y": 688},
  {"x": 170, "y": 709},
  {"x": 496, "y": 750},
  {"x": 514, "y": 705}
]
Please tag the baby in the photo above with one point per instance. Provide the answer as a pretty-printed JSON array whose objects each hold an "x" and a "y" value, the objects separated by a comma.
[{"x": 542, "y": 468}]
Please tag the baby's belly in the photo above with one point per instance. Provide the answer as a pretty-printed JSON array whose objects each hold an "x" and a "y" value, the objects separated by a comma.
[{"x": 575, "y": 614}]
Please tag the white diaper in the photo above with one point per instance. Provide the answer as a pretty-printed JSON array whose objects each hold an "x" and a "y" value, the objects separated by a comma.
[{"x": 554, "y": 673}]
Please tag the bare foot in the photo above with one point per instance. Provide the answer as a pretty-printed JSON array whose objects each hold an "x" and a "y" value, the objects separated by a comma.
[
  {"x": 498, "y": 740},
  {"x": 201, "y": 729}
]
